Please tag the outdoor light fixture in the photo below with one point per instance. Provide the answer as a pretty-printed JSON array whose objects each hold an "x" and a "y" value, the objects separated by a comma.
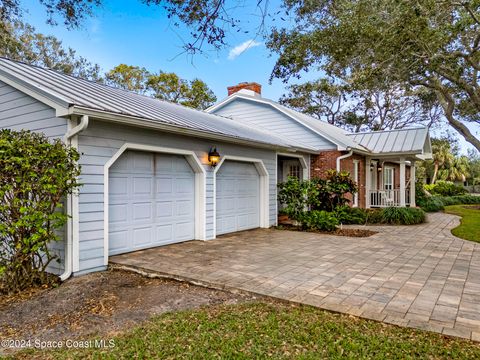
[
  {"x": 379, "y": 168},
  {"x": 213, "y": 157}
]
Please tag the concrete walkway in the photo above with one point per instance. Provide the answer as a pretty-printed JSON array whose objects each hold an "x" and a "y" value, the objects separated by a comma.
[{"x": 417, "y": 276}]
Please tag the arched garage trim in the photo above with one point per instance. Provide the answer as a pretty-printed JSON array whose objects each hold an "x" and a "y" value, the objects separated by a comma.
[
  {"x": 200, "y": 187},
  {"x": 264, "y": 188}
]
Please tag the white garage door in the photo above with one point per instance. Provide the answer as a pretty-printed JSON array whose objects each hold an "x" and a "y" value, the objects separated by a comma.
[
  {"x": 238, "y": 197},
  {"x": 151, "y": 201}
]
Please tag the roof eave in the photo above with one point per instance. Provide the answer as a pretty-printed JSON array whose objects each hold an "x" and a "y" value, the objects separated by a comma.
[{"x": 152, "y": 124}]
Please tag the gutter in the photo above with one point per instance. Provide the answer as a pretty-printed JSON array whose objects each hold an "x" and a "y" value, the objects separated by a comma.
[
  {"x": 350, "y": 153},
  {"x": 72, "y": 206}
]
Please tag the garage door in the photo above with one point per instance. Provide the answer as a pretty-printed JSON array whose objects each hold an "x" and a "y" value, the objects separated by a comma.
[
  {"x": 151, "y": 201},
  {"x": 238, "y": 197}
]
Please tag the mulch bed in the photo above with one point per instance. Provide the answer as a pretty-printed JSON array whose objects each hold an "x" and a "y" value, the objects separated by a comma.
[
  {"x": 339, "y": 232},
  {"x": 474, "y": 207}
]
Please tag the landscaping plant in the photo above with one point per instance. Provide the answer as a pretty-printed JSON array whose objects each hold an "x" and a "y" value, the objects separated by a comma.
[
  {"x": 35, "y": 176},
  {"x": 445, "y": 188},
  {"x": 318, "y": 220},
  {"x": 332, "y": 190},
  {"x": 297, "y": 196},
  {"x": 402, "y": 216}
]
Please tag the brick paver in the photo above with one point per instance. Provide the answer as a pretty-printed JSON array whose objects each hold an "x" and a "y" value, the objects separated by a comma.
[{"x": 418, "y": 276}]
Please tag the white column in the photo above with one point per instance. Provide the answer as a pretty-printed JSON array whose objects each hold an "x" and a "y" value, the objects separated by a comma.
[
  {"x": 368, "y": 181},
  {"x": 402, "y": 182},
  {"x": 412, "y": 184}
]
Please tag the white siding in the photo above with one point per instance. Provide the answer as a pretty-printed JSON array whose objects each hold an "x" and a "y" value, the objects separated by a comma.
[
  {"x": 264, "y": 116},
  {"x": 19, "y": 111},
  {"x": 102, "y": 140}
]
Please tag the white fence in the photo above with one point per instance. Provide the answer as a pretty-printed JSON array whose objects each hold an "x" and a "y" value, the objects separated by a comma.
[{"x": 387, "y": 198}]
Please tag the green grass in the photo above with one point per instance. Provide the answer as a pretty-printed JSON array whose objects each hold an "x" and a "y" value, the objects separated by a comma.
[
  {"x": 469, "y": 228},
  {"x": 271, "y": 330}
]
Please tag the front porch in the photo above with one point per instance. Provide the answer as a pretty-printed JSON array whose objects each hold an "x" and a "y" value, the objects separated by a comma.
[{"x": 390, "y": 182}]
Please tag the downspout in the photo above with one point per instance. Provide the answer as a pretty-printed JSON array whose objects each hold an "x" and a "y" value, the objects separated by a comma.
[
  {"x": 72, "y": 205},
  {"x": 340, "y": 158}
]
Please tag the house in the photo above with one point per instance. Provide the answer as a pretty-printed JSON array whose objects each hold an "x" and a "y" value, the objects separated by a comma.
[
  {"x": 149, "y": 168},
  {"x": 381, "y": 162}
]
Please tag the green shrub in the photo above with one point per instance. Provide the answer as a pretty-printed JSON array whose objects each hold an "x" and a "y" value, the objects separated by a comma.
[
  {"x": 445, "y": 188},
  {"x": 296, "y": 196},
  {"x": 374, "y": 216},
  {"x": 318, "y": 220},
  {"x": 348, "y": 215},
  {"x": 332, "y": 190},
  {"x": 431, "y": 204},
  {"x": 402, "y": 216},
  {"x": 35, "y": 177}
]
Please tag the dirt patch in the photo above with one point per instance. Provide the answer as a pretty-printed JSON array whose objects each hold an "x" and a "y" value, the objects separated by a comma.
[
  {"x": 101, "y": 304},
  {"x": 339, "y": 232}
]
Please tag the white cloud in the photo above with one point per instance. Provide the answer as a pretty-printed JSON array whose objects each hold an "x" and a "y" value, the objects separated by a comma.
[{"x": 239, "y": 49}]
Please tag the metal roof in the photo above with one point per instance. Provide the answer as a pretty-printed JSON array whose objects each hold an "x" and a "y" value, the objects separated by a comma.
[
  {"x": 69, "y": 91},
  {"x": 336, "y": 135},
  {"x": 410, "y": 140}
]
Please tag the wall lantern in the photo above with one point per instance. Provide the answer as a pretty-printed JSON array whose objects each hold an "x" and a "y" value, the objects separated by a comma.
[
  {"x": 379, "y": 168},
  {"x": 213, "y": 157}
]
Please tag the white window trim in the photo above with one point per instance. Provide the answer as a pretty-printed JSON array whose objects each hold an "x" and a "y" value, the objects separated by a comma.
[
  {"x": 302, "y": 160},
  {"x": 355, "y": 178},
  {"x": 264, "y": 189},
  {"x": 200, "y": 188}
]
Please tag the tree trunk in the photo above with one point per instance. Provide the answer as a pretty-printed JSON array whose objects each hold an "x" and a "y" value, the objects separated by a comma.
[{"x": 435, "y": 172}]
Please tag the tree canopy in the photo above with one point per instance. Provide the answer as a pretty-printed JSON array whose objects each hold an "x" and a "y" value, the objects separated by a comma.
[
  {"x": 162, "y": 85},
  {"x": 427, "y": 45}
]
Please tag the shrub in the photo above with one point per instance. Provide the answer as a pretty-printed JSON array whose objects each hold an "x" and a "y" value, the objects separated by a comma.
[
  {"x": 445, "y": 188},
  {"x": 297, "y": 196},
  {"x": 374, "y": 216},
  {"x": 35, "y": 177},
  {"x": 333, "y": 189},
  {"x": 402, "y": 216},
  {"x": 348, "y": 215},
  {"x": 318, "y": 220},
  {"x": 431, "y": 204}
]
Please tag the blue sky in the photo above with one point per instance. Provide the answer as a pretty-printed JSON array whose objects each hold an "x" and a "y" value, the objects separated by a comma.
[{"x": 126, "y": 31}]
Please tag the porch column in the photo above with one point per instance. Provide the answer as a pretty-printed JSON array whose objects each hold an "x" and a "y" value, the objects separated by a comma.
[
  {"x": 412, "y": 184},
  {"x": 402, "y": 182},
  {"x": 368, "y": 181}
]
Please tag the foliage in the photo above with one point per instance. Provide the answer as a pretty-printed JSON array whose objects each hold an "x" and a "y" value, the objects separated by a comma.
[
  {"x": 445, "y": 188},
  {"x": 469, "y": 228},
  {"x": 403, "y": 216},
  {"x": 128, "y": 77},
  {"x": 297, "y": 196},
  {"x": 164, "y": 86},
  {"x": 22, "y": 42},
  {"x": 350, "y": 215},
  {"x": 429, "y": 48},
  {"x": 318, "y": 220},
  {"x": 431, "y": 204},
  {"x": 374, "y": 216},
  {"x": 359, "y": 109},
  {"x": 332, "y": 190},
  {"x": 169, "y": 86},
  {"x": 35, "y": 178}
]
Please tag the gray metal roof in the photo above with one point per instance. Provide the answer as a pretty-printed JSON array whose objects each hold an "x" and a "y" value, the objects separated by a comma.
[
  {"x": 70, "y": 91},
  {"x": 411, "y": 140},
  {"x": 332, "y": 133}
]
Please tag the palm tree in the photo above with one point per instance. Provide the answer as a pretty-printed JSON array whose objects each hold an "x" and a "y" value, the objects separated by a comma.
[
  {"x": 442, "y": 156},
  {"x": 457, "y": 170}
]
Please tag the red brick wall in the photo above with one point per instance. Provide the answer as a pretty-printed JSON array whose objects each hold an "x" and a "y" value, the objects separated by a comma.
[{"x": 327, "y": 160}]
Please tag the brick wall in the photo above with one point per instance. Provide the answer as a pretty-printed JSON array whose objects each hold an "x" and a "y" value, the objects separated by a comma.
[{"x": 327, "y": 160}]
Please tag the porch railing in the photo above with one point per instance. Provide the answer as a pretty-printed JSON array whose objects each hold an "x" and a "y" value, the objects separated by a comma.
[{"x": 387, "y": 198}]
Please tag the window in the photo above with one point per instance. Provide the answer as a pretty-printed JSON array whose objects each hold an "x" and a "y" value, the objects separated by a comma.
[
  {"x": 294, "y": 170},
  {"x": 388, "y": 178}
]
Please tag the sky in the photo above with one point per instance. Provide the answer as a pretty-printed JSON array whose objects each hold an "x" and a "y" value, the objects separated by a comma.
[
  {"x": 129, "y": 32},
  {"x": 126, "y": 31}
]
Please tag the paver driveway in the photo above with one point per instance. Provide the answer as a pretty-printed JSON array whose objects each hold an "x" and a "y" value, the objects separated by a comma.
[{"x": 418, "y": 276}]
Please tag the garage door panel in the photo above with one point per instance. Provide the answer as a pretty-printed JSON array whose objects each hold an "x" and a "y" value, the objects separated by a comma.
[
  {"x": 151, "y": 204},
  {"x": 237, "y": 197}
]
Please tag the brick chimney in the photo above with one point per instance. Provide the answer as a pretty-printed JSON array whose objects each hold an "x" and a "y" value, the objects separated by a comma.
[{"x": 252, "y": 86}]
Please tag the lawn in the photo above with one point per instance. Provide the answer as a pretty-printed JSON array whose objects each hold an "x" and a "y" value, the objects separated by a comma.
[
  {"x": 469, "y": 228},
  {"x": 270, "y": 329}
]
